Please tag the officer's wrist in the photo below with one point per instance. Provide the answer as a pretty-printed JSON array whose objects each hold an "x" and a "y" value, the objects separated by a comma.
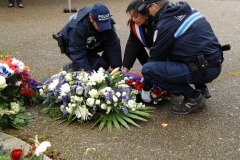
[{"x": 124, "y": 69}]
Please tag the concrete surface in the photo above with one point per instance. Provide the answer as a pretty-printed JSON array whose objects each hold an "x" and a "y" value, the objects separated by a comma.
[{"x": 211, "y": 133}]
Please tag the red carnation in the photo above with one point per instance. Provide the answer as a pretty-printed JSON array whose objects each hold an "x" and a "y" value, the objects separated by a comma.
[
  {"x": 158, "y": 92},
  {"x": 16, "y": 154},
  {"x": 130, "y": 82}
]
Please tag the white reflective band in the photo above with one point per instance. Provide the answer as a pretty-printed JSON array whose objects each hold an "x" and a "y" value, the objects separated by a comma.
[{"x": 187, "y": 23}]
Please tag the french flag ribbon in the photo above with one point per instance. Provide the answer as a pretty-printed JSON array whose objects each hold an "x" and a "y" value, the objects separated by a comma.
[{"x": 138, "y": 32}]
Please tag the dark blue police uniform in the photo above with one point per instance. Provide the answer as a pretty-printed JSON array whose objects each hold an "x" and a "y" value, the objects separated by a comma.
[
  {"x": 183, "y": 42},
  {"x": 83, "y": 43}
]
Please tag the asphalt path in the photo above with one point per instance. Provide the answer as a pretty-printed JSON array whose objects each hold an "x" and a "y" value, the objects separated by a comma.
[{"x": 212, "y": 132}]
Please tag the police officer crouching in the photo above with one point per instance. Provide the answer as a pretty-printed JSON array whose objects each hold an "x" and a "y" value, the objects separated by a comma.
[
  {"x": 89, "y": 40},
  {"x": 185, "y": 51}
]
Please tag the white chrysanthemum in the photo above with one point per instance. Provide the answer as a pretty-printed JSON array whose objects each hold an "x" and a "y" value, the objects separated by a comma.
[
  {"x": 52, "y": 86},
  {"x": 19, "y": 63},
  {"x": 42, "y": 148},
  {"x": 93, "y": 93},
  {"x": 82, "y": 112},
  {"x": 91, "y": 83},
  {"x": 97, "y": 77},
  {"x": 70, "y": 108},
  {"x": 90, "y": 102},
  {"x": 15, "y": 107},
  {"x": 132, "y": 104},
  {"x": 76, "y": 99},
  {"x": 124, "y": 94},
  {"x": 3, "y": 83},
  {"x": 126, "y": 78},
  {"x": 65, "y": 88},
  {"x": 69, "y": 77}
]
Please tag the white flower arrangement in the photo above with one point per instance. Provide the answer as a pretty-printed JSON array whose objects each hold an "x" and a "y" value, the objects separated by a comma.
[{"x": 93, "y": 96}]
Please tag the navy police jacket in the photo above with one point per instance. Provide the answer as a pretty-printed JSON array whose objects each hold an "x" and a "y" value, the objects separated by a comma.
[
  {"x": 182, "y": 34},
  {"x": 81, "y": 38}
]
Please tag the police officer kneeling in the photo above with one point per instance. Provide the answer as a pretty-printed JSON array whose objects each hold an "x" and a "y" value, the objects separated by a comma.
[
  {"x": 88, "y": 33},
  {"x": 185, "y": 51}
]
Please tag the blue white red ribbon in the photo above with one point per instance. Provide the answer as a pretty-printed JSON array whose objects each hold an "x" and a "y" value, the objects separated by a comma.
[{"x": 138, "y": 32}]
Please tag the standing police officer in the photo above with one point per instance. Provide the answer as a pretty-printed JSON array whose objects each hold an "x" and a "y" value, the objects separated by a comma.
[
  {"x": 185, "y": 51},
  {"x": 88, "y": 33}
]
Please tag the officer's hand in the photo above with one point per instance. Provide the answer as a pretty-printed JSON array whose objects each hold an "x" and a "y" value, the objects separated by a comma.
[{"x": 125, "y": 69}]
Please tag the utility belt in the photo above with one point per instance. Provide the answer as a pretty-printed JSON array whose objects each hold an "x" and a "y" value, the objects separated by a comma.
[
  {"x": 202, "y": 65},
  {"x": 61, "y": 43}
]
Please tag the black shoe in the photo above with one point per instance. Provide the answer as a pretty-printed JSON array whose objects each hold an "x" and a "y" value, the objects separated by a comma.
[
  {"x": 189, "y": 104},
  {"x": 68, "y": 67},
  {"x": 205, "y": 93}
]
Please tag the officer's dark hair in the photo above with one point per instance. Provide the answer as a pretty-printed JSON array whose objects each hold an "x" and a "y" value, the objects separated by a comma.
[{"x": 133, "y": 6}]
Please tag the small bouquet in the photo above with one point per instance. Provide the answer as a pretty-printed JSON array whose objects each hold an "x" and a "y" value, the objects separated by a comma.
[
  {"x": 34, "y": 153},
  {"x": 101, "y": 96},
  {"x": 17, "y": 88},
  {"x": 135, "y": 81}
]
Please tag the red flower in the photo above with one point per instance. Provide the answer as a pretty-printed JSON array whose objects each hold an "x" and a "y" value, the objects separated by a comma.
[
  {"x": 158, "y": 92},
  {"x": 130, "y": 82},
  {"x": 31, "y": 152},
  {"x": 16, "y": 154},
  {"x": 27, "y": 91}
]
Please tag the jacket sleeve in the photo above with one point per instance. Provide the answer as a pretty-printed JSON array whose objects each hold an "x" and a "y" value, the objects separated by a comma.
[
  {"x": 162, "y": 45},
  {"x": 112, "y": 49},
  {"x": 133, "y": 48},
  {"x": 78, "y": 51}
]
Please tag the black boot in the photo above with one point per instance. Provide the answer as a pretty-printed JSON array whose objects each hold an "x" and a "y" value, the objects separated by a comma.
[
  {"x": 204, "y": 90},
  {"x": 188, "y": 105}
]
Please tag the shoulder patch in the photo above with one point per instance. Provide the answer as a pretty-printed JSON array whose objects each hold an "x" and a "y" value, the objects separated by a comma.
[{"x": 180, "y": 17}]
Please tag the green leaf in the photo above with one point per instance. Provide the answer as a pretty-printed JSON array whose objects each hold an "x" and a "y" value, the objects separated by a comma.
[
  {"x": 142, "y": 113},
  {"x": 109, "y": 123},
  {"x": 136, "y": 117},
  {"x": 130, "y": 121},
  {"x": 115, "y": 122},
  {"x": 123, "y": 122},
  {"x": 102, "y": 123}
]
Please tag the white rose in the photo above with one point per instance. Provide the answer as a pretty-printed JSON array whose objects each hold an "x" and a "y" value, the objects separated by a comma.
[
  {"x": 90, "y": 101},
  {"x": 97, "y": 102},
  {"x": 2, "y": 82},
  {"x": 103, "y": 106},
  {"x": 118, "y": 94},
  {"x": 15, "y": 107},
  {"x": 93, "y": 93}
]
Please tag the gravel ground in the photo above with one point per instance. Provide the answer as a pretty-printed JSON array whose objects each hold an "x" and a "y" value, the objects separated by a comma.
[{"x": 210, "y": 133}]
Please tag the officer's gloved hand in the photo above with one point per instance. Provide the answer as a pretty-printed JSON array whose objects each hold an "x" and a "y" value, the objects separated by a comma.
[{"x": 146, "y": 96}]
